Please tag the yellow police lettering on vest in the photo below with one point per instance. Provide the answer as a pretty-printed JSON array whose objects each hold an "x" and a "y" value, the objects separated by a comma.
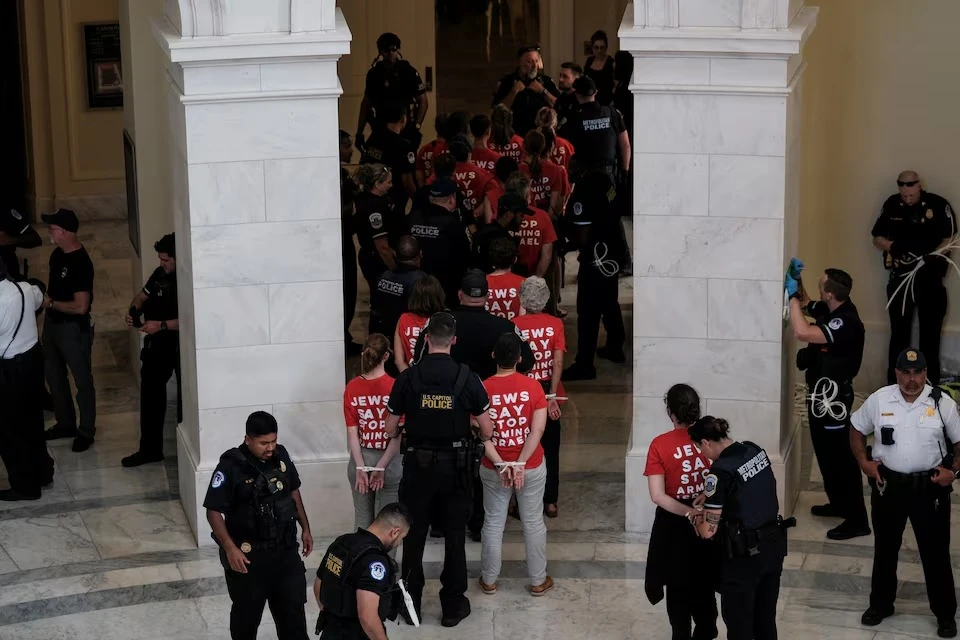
[
  {"x": 334, "y": 565},
  {"x": 436, "y": 402}
]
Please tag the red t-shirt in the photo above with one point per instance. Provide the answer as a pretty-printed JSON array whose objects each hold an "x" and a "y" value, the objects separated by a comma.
[
  {"x": 552, "y": 178},
  {"x": 513, "y": 399},
  {"x": 504, "y": 297},
  {"x": 485, "y": 158},
  {"x": 562, "y": 152},
  {"x": 427, "y": 153},
  {"x": 545, "y": 335},
  {"x": 514, "y": 149},
  {"x": 409, "y": 327},
  {"x": 535, "y": 231},
  {"x": 682, "y": 466},
  {"x": 473, "y": 182},
  {"x": 365, "y": 407},
  {"x": 494, "y": 193}
]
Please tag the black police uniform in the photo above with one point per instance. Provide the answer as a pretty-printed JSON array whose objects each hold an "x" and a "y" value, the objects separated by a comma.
[
  {"x": 482, "y": 240},
  {"x": 375, "y": 217},
  {"x": 566, "y": 107},
  {"x": 15, "y": 225},
  {"x": 400, "y": 84},
  {"x": 260, "y": 513},
  {"x": 389, "y": 299},
  {"x": 444, "y": 245},
  {"x": 348, "y": 191},
  {"x": 742, "y": 484},
  {"x": 397, "y": 154},
  {"x": 160, "y": 358},
  {"x": 917, "y": 230},
  {"x": 437, "y": 398},
  {"x": 837, "y": 360},
  {"x": 355, "y": 562},
  {"x": 593, "y": 132},
  {"x": 527, "y": 103}
]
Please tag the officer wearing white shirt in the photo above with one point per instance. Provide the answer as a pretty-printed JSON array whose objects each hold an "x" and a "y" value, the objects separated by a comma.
[
  {"x": 915, "y": 459},
  {"x": 22, "y": 445}
]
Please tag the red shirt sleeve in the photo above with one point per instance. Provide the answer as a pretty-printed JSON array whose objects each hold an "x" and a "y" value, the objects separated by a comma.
[
  {"x": 655, "y": 465},
  {"x": 350, "y": 415}
]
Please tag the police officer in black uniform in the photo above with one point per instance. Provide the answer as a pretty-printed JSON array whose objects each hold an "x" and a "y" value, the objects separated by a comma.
[
  {"x": 15, "y": 233},
  {"x": 597, "y": 133},
  {"x": 831, "y": 360},
  {"x": 437, "y": 397},
  {"x": 389, "y": 300},
  {"x": 912, "y": 224},
  {"x": 154, "y": 312},
  {"x": 442, "y": 237},
  {"x": 356, "y": 585},
  {"x": 392, "y": 80},
  {"x": 253, "y": 506},
  {"x": 387, "y": 146},
  {"x": 526, "y": 90},
  {"x": 567, "y": 103},
  {"x": 348, "y": 191},
  {"x": 511, "y": 207},
  {"x": 594, "y": 229},
  {"x": 739, "y": 506}
]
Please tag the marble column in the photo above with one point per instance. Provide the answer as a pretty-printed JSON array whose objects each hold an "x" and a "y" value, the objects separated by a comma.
[
  {"x": 716, "y": 157},
  {"x": 253, "y": 113}
]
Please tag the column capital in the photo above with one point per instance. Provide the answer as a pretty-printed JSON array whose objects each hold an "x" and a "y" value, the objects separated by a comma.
[
  {"x": 202, "y": 18},
  {"x": 745, "y": 14}
]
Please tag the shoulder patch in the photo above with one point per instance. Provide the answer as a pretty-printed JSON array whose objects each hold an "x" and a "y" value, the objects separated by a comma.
[
  {"x": 218, "y": 480},
  {"x": 710, "y": 485},
  {"x": 376, "y": 221},
  {"x": 377, "y": 570},
  {"x": 835, "y": 324},
  {"x": 411, "y": 157}
]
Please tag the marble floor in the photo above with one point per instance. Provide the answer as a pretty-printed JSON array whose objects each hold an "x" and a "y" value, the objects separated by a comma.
[{"x": 107, "y": 554}]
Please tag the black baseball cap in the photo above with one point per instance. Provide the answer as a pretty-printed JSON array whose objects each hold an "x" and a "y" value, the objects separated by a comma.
[
  {"x": 13, "y": 223},
  {"x": 911, "y": 359},
  {"x": 585, "y": 86},
  {"x": 513, "y": 202},
  {"x": 442, "y": 187},
  {"x": 63, "y": 218},
  {"x": 474, "y": 284},
  {"x": 388, "y": 41}
]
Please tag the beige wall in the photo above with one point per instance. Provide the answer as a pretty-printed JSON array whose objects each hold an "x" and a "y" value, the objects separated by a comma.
[
  {"x": 590, "y": 15},
  {"x": 880, "y": 96},
  {"x": 75, "y": 154}
]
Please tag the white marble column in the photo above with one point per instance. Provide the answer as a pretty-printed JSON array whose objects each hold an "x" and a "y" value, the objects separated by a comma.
[
  {"x": 716, "y": 158},
  {"x": 253, "y": 117}
]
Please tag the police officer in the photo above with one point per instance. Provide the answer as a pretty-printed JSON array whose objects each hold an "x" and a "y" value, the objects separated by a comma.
[
  {"x": 442, "y": 237},
  {"x": 912, "y": 224},
  {"x": 348, "y": 191},
  {"x": 22, "y": 445},
  {"x": 388, "y": 147},
  {"x": 356, "y": 585},
  {"x": 511, "y": 207},
  {"x": 437, "y": 397},
  {"x": 831, "y": 361},
  {"x": 160, "y": 355},
  {"x": 567, "y": 104},
  {"x": 594, "y": 230},
  {"x": 911, "y": 469},
  {"x": 526, "y": 90},
  {"x": 597, "y": 133},
  {"x": 739, "y": 505},
  {"x": 389, "y": 300},
  {"x": 253, "y": 506},
  {"x": 15, "y": 233},
  {"x": 392, "y": 80}
]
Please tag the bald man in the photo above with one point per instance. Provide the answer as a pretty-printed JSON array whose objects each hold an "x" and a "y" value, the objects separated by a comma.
[{"x": 912, "y": 224}]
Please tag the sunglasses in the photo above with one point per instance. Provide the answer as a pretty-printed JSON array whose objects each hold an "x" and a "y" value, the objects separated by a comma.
[{"x": 908, "y": 183}]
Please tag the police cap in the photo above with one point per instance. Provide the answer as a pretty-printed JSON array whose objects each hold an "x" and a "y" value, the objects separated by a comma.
[
  {"x": 911, "y": 359},
  {"x": 63, "y": 218},
  {"x": 474, "y": 284},
  {"x": 585, "y": 86},
  {"x": 13, "y": 223},
  {"x": 443, "y": 187},
  {"x": 388, "y": 41}
]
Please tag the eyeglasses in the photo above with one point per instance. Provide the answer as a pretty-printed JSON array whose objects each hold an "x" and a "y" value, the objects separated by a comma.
[{"x": 906, "y": 183}]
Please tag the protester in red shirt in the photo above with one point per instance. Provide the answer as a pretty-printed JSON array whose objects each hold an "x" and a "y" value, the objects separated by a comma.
[
  {"x": 536, "y": 233},
  {"x": 502, "y": 171},
  {"x": 365, "y": 413},
  {"x": 432, "y": 149},
  {"x": 502, "y": 138},
  {"x": 426, "y": 298},
  {"x": 548, "y": 342},
  {"x": 518, "y": 409},
  {"x": 482, "y": 155},
  {"x": 472, "y": 181},
  {"x": 563, "y": 149},
  {"x": 548, "y": 180},
  {"x": 504, "y": 285},
  {"x": 677, "y": 559}
]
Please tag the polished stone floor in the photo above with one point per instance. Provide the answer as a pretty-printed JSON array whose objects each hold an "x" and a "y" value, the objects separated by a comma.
[{"x": 107, "y": 554}]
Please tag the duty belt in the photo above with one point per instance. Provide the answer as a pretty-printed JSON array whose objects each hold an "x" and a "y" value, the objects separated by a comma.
[{"x": 917, "y": 481}]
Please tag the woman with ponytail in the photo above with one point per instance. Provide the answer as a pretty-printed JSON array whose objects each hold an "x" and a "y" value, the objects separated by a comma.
[
  {"x": 548, "y": 180},
  {"x": 502, "y": 138},
  {"x": 365, "y": 411},
  {"x": 562, "y": 149}
]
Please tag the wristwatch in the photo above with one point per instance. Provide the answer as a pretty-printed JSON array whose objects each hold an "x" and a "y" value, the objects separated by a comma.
[{"x": 163, "y": 325}]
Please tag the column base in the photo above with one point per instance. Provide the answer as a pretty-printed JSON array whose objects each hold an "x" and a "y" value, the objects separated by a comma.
[{"x": 325, "y": 491}]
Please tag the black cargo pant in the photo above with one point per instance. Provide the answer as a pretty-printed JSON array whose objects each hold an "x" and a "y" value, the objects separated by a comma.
[
  {"x": 68, "y": 344},
  {"x": 23, "y": 448},
  {"x": 160, "y": 358},
  {"x": 930, "y": 301},
  {"x": 749, "y": 589},
  {"x": 349, "y": 284},
  {"x": 275, "y": 577},
  {"x": 597, "y": 301}
]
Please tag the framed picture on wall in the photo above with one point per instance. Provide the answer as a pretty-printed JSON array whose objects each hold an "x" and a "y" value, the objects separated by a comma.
[
  {"x": 133, "y": 211},
  {"x": 101, "y": 47}
]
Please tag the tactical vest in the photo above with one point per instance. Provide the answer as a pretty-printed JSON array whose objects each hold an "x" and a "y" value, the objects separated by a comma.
[
  {"x": 819, "y": 361},
  {"x": 338, "y": 596},
  {"x": 438, "y": 417},
  {"x": 595, "y": 138},
  {"x": 752, "y": 502},
  {"x": 265, "y": 509}
]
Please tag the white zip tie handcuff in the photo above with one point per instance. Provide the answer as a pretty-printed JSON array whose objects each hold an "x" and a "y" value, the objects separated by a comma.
[
  {"x": 368, "y": 469},
  {"x": 408, "y": 602},
  {"x": 823, "y": 401},
  {"x": 503, "y": 466},
  {"x": 553, "y": 396}
]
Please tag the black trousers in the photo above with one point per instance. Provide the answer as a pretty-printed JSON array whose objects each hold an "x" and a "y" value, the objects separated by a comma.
[
  {"x": 276, "y": 578},
  {"x": 696, "y": 602},
  {"x": 749, "y": 589},
  {"x": 930, "y": 301},
  {"x": 349, "y": 285},
  {"x": 929, "y": 514},
  {"x": 597, "y": 301},
  {"x": 69, "y": 345},
  {"x": 551, "y": 454},
  {"x": 372, "y": 268},
  {"x": 841, "y": 473},
  {"x": 159, "y": 358},
  {"x": 23, "y": 448},
  {"x": 421, "y": 488}
]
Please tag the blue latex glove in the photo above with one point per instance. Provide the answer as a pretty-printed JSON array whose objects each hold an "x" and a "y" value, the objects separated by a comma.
[
  {"x": 791, "y": 285},
  {"x": 796, "y": 266}
]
